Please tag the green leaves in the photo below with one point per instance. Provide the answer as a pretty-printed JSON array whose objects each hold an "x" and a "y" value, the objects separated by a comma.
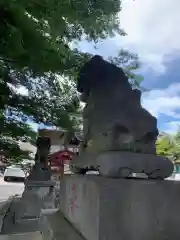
[
  {"x": 36, "y": 54},
  {"x": 11, "y": 150},
  {"x": 169, "y": 146},
  {"x": 38, "y": 34},
  {"x": 165, "y": 146},
  {"x": 130, "y": 63},
  {"x": 35, "y": 50}
]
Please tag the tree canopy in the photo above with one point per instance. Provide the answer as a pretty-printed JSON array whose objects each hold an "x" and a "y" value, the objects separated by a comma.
[
  {"x": 169, "y": 146},
  {"x": 39, "y": 63},
  {"x": 165, "y": 146},
  {"x": 130, "y": 63},
  {"x": 36, "y": 48}
]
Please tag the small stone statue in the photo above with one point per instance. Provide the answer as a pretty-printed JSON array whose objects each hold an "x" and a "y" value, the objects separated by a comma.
[
  {"x": 41, "y": 170},
  {"x": 37, "y": 194},
  {"x": 119, "y": 134}
]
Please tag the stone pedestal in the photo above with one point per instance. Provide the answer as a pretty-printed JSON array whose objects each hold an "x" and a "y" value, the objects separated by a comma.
[
  {"x": 4, "y": 207},
  {"x": 24, "y": 213},
  {"x": 103, "y": 208},
  {"x": 37, "y": 195},
  {"x": 55, "y": 227}
]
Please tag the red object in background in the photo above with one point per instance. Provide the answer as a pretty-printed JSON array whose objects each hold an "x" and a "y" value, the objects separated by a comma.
[{"x": 57, "y": 159}]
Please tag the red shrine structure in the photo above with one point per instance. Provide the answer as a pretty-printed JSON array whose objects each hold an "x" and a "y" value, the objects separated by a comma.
[
  {"x": 59, "y": 157},
  {"x": 63, "y": 156}
]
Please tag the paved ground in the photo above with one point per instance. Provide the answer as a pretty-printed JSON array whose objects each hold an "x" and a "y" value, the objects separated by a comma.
[
  {"x": 8, "y": 189},
  {"x": 22, "y": 236}
]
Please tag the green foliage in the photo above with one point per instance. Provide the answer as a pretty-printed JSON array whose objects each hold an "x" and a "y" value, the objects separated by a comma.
[
  {"x": 130, "y": 63},
  {"x": 37, "y": 34},
  {"x": 169, "y": 146},
  {"x": 13, "y": 130},
  {"x": 165, "y": 146},
  {"x": 35, "y": 49}
]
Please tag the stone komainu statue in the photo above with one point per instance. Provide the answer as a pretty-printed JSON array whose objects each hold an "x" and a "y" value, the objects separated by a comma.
[
  {"x": 119, "y": 134},
  {"x": 43, "y": 148},
  {"x": 113, "y": 117},
  {"x": 41, "y": 170}
]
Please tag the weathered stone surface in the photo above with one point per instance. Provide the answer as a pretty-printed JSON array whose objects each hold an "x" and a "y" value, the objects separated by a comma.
[
  {"x": 24, "y": 213},
  {"x": 43, "y": 148},
  {"x": 39, "y": 173},
  {"x": 12, "y": 224},
  {"x": 113, "y": 113},
  {"x": 114, "y": 119},
  {"x": 57, "y": 227},
  {"x": 105, "y": 208},
  {"x": 123, "y": 164},
  {"x": 34, "y": 198},
  {"x": 4, "y": 207}
]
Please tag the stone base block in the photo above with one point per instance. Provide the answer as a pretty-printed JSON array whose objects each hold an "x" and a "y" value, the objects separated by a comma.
[
  {"x": 4, "y": 207},
  {"x": 121, "y": 164},
  {"x": 11, "y": 225},
  {"x": 127, "y": 209},
  {"x": 56, "y": 226},
  {"x": 37, "y": 195},
  {"x": 24, "y": 213}
]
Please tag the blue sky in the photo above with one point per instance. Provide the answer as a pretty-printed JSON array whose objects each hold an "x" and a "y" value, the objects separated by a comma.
[{"x": 154, "y": 34}]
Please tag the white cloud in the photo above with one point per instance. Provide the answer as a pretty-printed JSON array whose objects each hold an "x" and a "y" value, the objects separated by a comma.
[
  {"x": 153, "y": 32},
  {"x": 152, "y": 27},
  {"x": 167, "y": 102},
  {"x": 163, "y": 101}
]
